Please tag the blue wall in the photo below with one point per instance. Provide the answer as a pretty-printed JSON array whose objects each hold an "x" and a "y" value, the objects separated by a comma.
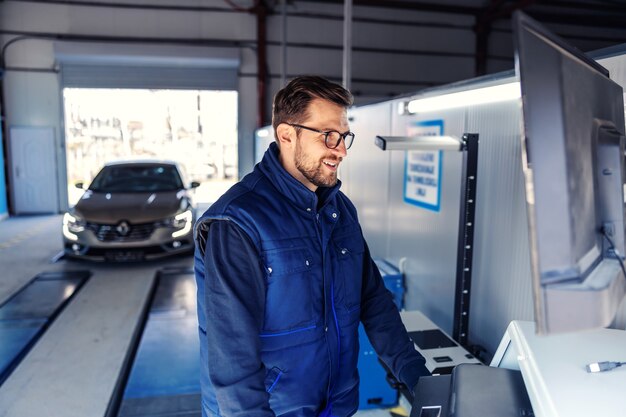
[{"x": 3, "y": 190}]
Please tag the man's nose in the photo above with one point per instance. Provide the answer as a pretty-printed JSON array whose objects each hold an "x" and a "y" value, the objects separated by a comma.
[{"x": 341, "y": 149}]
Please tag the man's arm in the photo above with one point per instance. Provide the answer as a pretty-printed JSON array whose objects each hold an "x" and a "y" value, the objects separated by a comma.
[
  {"x": 235, "y": 303},
  {"x": 385, "y": 329}
]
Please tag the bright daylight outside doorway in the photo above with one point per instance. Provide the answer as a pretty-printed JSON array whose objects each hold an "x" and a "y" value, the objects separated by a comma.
[{"x": 198, "y": 129}]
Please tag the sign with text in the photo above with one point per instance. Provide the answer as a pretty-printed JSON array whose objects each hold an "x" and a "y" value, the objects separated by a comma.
[{"x": 422, "y": 169}]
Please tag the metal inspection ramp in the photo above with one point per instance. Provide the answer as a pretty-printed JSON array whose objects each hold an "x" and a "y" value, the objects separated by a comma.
[
  {"x": 29, "y": 312},
  {"x": 165, "y": 376}
]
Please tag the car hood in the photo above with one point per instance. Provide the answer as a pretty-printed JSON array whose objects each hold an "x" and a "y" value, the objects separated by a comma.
[{"x": 111, "y": 208}]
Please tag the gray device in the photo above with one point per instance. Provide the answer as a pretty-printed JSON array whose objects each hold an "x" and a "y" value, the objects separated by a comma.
[
  {"x": 483, "y": 391},
  {"x": 431, "y": 396},
  {"x": 573, "y": 161}
]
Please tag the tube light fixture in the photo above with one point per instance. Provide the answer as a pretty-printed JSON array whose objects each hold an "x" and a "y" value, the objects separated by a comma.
[
  {"x": 485, "y": 95},
  {"x": 418, "y": 143}
]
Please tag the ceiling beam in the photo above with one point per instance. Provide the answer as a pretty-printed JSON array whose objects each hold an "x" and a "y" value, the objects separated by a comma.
[
  {"x": 407, "y": 5},
  {"x": 605, "y": 6},
  {"x": 587, "y": 19}
]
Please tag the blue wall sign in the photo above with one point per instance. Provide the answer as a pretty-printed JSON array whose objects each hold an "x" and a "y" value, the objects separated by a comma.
[{"x": 422, "y": 169}]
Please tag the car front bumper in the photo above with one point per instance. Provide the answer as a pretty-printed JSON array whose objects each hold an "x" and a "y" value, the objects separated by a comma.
[{"x": 157, "y": 244}]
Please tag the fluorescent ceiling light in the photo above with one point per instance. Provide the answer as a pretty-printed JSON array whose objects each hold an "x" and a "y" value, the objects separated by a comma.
[
  {"x": 262, "y": 133},
  {"x": 502, "y": 92}
]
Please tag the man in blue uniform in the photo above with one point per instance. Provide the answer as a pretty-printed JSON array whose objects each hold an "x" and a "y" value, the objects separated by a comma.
[{"x": 284, "y": 276}]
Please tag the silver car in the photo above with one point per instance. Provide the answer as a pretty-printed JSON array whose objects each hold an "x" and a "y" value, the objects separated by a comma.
[{"x": 132, "y": 211}]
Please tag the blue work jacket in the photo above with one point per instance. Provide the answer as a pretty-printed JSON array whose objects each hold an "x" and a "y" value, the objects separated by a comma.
[{"x": 318, "y": 283}]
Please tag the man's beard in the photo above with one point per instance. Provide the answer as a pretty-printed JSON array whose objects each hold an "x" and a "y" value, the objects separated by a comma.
[{"x": 313, "y": 170}]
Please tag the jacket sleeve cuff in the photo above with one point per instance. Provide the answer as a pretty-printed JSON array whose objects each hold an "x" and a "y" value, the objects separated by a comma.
[{"x": 411, "y": 373}]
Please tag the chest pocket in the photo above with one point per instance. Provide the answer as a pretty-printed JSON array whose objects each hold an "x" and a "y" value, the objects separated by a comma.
[
  {"x": 350, "y": 249},
  {"x": 289, "y": 284}
]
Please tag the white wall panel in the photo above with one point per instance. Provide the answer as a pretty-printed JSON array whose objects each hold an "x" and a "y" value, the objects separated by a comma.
[
  {"x": 248, "y": 110},
  {"x": 307, "y": 30},
  {"x": 413, "y": 38},
  {"x": 34, "y": 18},
  {"x": 416, "y": 15},
  {"x": 501, "y": 281},
  {"x": 373, "y": 66},
  {"x": 35, "y": 101},
  {"x": 423, "y": 68},
  {"x": 576, "y": 32},
  {"x": 365, "y": 174},
  {"x": 501, "y": 44},
  {"x": 616, "y": 65},
  {"x": 314, "y": 61},
  {"x": 494, "y": 67},
  {"x": 33, "y": 53},
  {"x": 248, "y": 61},
  {"x": 582, "y": 37},
  {"x": 427, "y": 239},
  {"x": 501, "y": 287}
]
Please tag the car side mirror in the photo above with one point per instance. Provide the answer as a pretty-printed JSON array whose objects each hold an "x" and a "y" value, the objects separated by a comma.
[
  {"x": 80, "y": 185},
  {"x": 195, "y": 184}
]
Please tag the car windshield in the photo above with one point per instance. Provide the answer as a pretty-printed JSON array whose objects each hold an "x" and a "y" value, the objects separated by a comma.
[{"x": 137, "y": 178}]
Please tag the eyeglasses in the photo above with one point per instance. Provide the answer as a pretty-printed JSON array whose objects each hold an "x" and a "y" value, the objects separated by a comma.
[{"x": 332, "y": 138}]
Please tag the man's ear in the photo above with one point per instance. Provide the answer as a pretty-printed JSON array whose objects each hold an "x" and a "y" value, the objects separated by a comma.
[{"x": 285, "y": 134}]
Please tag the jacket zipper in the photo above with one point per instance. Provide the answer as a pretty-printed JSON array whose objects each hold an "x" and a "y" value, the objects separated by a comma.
[{"x": 330, "y": 358}]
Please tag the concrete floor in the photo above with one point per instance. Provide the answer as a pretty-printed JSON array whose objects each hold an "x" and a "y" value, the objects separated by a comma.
[{"x": 74, "y": 367}]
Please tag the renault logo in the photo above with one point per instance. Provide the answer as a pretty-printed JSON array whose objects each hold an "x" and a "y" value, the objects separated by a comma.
[{"x": 123, "y": 228}]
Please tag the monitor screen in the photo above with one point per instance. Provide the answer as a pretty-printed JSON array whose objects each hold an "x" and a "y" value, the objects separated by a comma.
[{"x": 572, "y": 154}]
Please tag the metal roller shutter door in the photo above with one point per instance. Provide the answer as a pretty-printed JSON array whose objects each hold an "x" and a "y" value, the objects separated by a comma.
[{"x": 148, "y": 77}]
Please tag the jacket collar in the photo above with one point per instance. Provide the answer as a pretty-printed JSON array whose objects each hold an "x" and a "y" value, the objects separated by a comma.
[{"x": 290, "y": 187}]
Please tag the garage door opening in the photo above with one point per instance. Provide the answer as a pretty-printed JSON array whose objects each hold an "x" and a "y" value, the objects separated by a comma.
[{"x": 196, "y": 128}]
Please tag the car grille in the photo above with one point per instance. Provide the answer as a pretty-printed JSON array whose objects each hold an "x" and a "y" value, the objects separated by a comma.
[{"x": 110, "y": 233}]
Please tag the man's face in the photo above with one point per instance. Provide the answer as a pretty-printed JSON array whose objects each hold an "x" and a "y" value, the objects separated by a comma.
[{"x": 315, "y": 164}]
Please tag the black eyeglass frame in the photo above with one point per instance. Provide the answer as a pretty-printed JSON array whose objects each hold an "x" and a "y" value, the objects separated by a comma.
[{"x": 342, "y": 136}]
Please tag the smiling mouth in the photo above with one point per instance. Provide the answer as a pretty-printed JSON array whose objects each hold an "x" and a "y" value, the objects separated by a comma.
[{"x": 331, "y": 164}]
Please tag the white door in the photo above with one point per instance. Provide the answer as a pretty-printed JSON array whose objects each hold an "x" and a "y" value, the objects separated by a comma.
[{"x": 33, "y": 168}]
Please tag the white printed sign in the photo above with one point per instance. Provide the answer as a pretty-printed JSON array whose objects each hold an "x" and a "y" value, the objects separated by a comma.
[{"x": 422, "y": 170}]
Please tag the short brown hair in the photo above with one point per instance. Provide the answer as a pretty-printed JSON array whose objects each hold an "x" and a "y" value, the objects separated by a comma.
[{"x": 292, "y": 102}]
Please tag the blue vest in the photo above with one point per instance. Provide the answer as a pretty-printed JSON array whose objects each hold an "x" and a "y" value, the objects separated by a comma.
[{"x": 313, "y": 266}]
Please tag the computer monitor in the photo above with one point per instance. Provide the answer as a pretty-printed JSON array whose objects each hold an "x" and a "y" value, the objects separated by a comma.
[{"x": 573, "y": 161}]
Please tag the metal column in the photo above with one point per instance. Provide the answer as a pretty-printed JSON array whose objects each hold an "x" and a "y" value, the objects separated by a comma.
[
  {"x": 347, "y": 44},
  {"x": 466, "y": 239}
]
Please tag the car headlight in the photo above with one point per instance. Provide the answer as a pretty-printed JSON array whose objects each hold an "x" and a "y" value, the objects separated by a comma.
[
  {"x": 183, "y": 222},
  {"x": 180, "y": 220},
  {"x": 72, "y": 224}
]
